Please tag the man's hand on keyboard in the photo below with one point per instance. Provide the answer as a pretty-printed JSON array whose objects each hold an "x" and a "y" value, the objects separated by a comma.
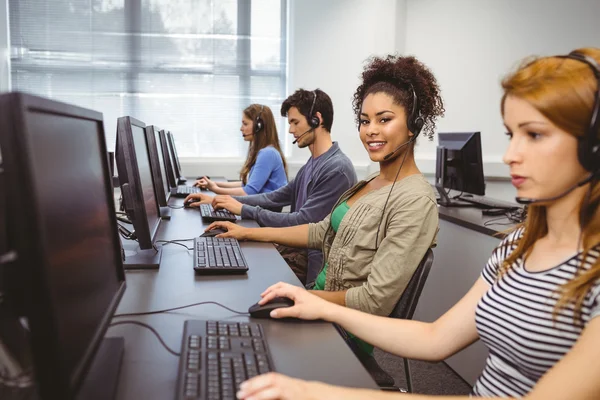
[
  {"x": 198, "y": 198},
  {"x": 228, "y": 203},
  {"x": 233, "y": 230}
]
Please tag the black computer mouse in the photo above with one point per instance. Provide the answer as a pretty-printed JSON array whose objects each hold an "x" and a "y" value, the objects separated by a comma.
[
  {"x": 264, "y": 311},
  {"x": 213, "y": 232},
  {"x": 188, "y": 204}
]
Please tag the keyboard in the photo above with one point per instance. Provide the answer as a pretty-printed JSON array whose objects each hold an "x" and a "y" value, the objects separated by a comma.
[
  {"x": 218, "y": 256},
  {"x": 217, "y": 356},
  {"x": 486, "y": 202},
  {"x": 184, "y": 191},
  {"x": 210, "y": 214}
]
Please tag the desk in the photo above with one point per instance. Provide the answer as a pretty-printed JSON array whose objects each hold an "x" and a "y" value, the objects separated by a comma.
[
  {"x": 464, "y": 246},
  {"x": 307, "y": 350}
]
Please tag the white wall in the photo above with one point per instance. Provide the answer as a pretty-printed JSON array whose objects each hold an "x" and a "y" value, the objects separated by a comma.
[
  {"x": 4, "y": 48},
  {"x": 471, "y": 44}
]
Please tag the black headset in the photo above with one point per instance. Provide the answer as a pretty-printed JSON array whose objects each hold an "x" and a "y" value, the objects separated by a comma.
[
  {"x": 258, "y": 121},
  {"x": 415, "y": 121},
  {"x": 588, "y": 146},
  {"x": 313, "y": 120}
]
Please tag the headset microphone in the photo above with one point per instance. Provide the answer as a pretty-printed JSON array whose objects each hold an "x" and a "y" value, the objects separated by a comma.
[
  {"x": 247, "y": 134},
  {"x": 298, "y": 138},
  {"x": 390, "y": 155},
  {"x": 527, "y": 201}
]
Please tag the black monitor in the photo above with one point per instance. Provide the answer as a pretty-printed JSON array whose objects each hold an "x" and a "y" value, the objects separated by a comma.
[
  {"x": 157, "y": 162},
  {"x": 62, "y": 287},
  {"x": 175, "y": 158},
  {"x": 166, "y": 150},
  {"x": 459, "y": 165},
  {"x": 137, "y": 190}
]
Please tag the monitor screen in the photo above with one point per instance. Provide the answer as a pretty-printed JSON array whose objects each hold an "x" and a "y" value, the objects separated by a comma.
[
  {"x": 147, "y": 185},
  {"x": 462, "y": 167},
  {"x": 166, "y": 151},
  {"x": 175, "y": 158},
  {"x": 135, "y": 177},
  {"x": 69, "y": 260}
]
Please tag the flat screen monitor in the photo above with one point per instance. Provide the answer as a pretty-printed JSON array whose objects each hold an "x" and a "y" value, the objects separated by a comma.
[
  {"x": 157, "y": 162},
  {"x": 175, "y": 158},
  {"x": 67, "y": 278},
  {"x": 135, "y": 178},
  {"x": 459, "y": 163},
  {"x": 168, "y": 157}
]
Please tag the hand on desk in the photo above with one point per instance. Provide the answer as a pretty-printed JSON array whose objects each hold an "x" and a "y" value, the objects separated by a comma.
[
  {"x": 198, "y": 198},
  {"x": 306, "y": 305},
  {"x": 228, "y": 203},
  {"x": 205, "y": 183},
  {"x": 274, "y": 386},
  {"x": 233, "y": 230}
]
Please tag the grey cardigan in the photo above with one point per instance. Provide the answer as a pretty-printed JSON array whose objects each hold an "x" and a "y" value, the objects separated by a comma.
[
  {"x": 334, "y": 175},
  {"x": 373, "y": 269}
]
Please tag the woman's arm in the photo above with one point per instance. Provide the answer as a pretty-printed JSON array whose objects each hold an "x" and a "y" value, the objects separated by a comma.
[
  {"x": 433, "y": 341},
  {"x": 233, "y": 191},
  {"x": 293, "y": 236},
  {"x": 229, "y": 185}
]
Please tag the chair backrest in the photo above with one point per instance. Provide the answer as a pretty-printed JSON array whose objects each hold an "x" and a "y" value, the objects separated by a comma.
[{"x": 406, "y": 306}]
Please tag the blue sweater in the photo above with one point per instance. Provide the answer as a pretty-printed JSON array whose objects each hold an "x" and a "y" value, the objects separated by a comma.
[{"x": 267, "y": 173}]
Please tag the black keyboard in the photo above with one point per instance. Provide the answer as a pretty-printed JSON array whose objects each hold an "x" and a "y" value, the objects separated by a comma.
[
  {"x": 217, "y": 356},
  {"x": 218, "y": 256},
  {"x": 210, "y": 214},
  {"x": 184, "y": 191},
  {"x": 486, "y": 202}
]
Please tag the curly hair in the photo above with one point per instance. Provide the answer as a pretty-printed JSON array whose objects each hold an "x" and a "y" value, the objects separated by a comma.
[{"x": 394, "y": 75}]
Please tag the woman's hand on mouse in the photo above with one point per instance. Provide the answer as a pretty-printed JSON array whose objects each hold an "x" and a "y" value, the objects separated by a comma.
[
  {"x": 206, "y": 183},
  {"x": 233, "y": 230},
  {"x": 194, "y": 200},
  {"x": 306, "y": 305}
]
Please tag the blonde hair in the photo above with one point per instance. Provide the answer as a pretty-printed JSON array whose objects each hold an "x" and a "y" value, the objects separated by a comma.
[
  {"x": 267, "y": 136},
  {"x": 563, "y": 90}
]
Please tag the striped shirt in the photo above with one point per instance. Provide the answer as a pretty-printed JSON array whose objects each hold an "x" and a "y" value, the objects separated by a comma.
[{"x": 514, "y": 320}]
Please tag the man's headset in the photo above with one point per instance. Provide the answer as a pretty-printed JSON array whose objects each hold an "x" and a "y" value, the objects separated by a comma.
[
  {"x": 588, "y": 146},
  {"x": 259, "y": 124},
  {"x": 313, "y": 120}
]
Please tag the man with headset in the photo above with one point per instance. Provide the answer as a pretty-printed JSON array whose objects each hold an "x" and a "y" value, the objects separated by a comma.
[{"x": 327, "y": 174}]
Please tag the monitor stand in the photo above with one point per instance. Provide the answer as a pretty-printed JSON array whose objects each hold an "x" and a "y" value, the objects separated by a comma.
[
  {"x": 165, "y": 213},
  {"x": 136, "y": 258},
  {"x": 101, "y": 381},
  {"x": 446, "y": 201}
]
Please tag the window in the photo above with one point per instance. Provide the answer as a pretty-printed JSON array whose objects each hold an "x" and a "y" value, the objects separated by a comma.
[{"x": 188, "y": 66}]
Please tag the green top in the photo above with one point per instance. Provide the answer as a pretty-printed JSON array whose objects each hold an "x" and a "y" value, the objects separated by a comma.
[{"x": 336, "y": 219}]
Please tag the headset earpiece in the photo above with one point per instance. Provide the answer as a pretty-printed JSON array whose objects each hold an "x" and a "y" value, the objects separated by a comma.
[
  {"x": 313, "y": 120},
  {"x": 415, "y": 122},
  {"x": 588, "y": 146},
  {"x": 258, "y": 122}
]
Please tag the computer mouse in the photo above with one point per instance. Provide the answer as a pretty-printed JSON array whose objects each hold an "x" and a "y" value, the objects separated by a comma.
[
  {"x": 188, "y": 204},
  {"x": 213, "y": 232},
  {"x": 264, "y": 311}
]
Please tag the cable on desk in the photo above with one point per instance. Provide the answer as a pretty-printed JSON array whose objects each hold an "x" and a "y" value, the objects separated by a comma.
[
  {"x": 166, "y": 242},
  {"x": 176, "y": 207},
  {"x": 160, "y": 339},
  {"x": 179, "y": 308}
]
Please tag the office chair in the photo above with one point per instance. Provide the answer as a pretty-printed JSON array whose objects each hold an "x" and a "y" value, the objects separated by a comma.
[{"x": 404, "y": 309}]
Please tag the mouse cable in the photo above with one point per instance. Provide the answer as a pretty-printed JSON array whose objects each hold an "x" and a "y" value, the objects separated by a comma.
[
  {"x": 176, "y": 207},
  {"x": 179, "y": 308},
  {"x": 166, "y": 242},
  {"x": 160, "y": 339}
]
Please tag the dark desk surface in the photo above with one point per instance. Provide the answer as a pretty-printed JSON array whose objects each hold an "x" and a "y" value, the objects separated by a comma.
[
  {"x": 307, "y": 350},
  {"x": 472, "y": 218}
]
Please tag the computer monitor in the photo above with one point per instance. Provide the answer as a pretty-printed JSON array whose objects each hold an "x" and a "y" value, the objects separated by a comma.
[
  {"x": 61, "y": 289},
  {"x": 175, "y": 158},
  {"x": 169, "y": 170},
  {"x": 137, "y": 190},
  {"x": 459, "y": 165},
  {"x": 157, "y": 164}
]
